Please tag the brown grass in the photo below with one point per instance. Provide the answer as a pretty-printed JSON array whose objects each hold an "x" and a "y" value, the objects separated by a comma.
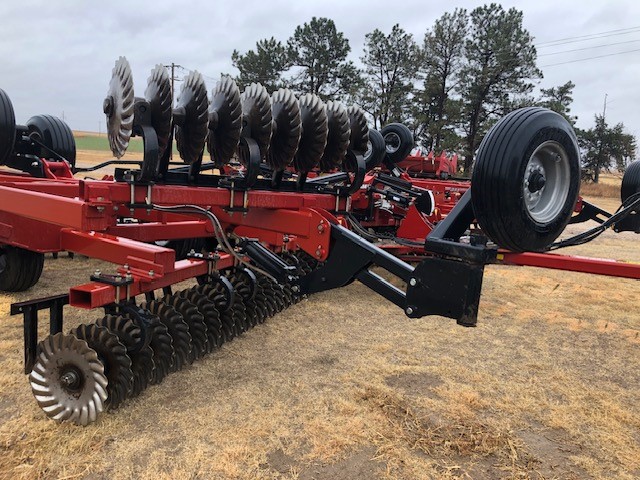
[
  {"x": 608, "y": 186},
  {"x": 600, "y": 190},
  {"x": 343, "y": 385}
]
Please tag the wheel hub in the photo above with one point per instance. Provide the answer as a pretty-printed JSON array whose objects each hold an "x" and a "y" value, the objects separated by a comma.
[
  {"x": 392, "y": 142},
  {"x": 70, "y": 379},
  {"x": 546, "y": 182},
  {"x": 536, "y": 181}
]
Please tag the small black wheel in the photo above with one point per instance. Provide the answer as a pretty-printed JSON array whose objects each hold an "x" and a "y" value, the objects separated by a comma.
[
  {"x": 376, "y": 149},
  {"x": 630, "y": 181},
  {"x": 56, "y": 135},
  {"x": 19, "y": 269},
  {"x": 398, "y": 140},
  {"x": 526, "y": 178},
  {"x": 7, "y": 127}
]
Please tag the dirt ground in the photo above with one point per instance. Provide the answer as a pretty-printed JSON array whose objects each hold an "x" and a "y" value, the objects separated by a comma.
[{"x": 344, "y": 386}]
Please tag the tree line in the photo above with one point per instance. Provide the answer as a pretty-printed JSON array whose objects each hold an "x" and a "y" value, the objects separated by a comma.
[{"x": 449, "y": 88}]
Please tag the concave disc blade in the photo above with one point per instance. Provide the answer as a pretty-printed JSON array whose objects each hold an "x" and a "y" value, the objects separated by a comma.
[
  {"x": 158, "y": 94},
  {"x": 314, "y": 133},
  {"x": 338, "y": 137},
  {"x": 68, "y": 380},
  {"x": 256, "y": 118},
  {"x": 225, "y": 121},
  {"x": 191, "y": 135},
  {"x": 287, "y": 129},
  {"x": 118, "y": 107}
]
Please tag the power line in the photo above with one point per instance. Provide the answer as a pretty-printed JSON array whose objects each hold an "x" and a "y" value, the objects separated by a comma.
[
  {"x": 582, "y": 38},
  {"x": 588, "y": 48},
  {"x": 590, "y": 58}
]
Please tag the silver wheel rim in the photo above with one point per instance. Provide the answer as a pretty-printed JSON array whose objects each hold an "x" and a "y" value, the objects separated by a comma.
[
  {"x": 546, "y": 182},
  {"x": 392, "y": 142}
]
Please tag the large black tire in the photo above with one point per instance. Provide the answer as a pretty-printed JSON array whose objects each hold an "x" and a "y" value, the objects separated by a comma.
[
  {"x": 56, "y": 135},
  {"x": 398, "y": 140},
  {"x": 19, "y": 269},
  {"x": 375, "y": 153},
  {"x": 630, "y": 181},
  {"x": 526, "y": 179},
  {"x": 7, "y": 127}
]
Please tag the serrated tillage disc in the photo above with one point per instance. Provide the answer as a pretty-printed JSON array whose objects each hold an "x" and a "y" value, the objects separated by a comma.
[
  {"x": 195, "y": 322},
  {"x": 120, "y": 99},
  {"x": 287, "y": 129},
  {"x": 192, "y": 134},
  {"x": 113, "y": 355},
  {"x": 359, "y": 130},
  {"x": 130, "y": 335},
  {"x": 338, "y": 137},
  {"x": 225, "y": 121},
  {"x": 161, "y": 344},
  {"x": 256, "y": 118},
  {"x": 158, "y": 94},
  {"x": 211, "y": 316},
  {"x": 314, "y": 133},
  {"x": 177, "y": 329},
  {"x": 68, "y": 380}
]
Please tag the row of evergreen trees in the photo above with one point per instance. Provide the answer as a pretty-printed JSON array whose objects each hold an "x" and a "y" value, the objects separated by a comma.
[{"x": 449, "y": 87}]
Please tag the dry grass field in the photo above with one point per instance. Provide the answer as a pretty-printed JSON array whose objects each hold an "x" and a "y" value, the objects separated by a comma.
[{"x": 344, "y": 386}]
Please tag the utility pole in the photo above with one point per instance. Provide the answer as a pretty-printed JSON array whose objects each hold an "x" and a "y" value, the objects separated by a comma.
[
  {"x": 604, "y": 109},
  {"x": 173, "y": 79}
]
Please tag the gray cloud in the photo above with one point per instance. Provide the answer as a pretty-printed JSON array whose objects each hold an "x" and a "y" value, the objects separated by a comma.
[{"x": 57, "y": 56}]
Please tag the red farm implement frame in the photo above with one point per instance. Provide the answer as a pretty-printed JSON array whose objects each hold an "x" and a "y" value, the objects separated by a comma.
[{"x": 295, "y": 196}]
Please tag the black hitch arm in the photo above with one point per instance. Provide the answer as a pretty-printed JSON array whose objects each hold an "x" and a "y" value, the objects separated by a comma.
[{"x": 437, "y": 286}]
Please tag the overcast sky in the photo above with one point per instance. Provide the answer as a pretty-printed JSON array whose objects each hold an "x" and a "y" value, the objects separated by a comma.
[{"x": 57, "y": 56}]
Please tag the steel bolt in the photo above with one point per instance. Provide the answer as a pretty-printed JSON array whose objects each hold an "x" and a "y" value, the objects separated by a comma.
[
  {"x": 409, "y": 310},
  {"x": 69, "y": 379},
  {"x": 34, "y": 164},
  {"x": 151, "y": 273},
  {"x": 413, "y": 282},
  {"x": 97, "y": 273}
]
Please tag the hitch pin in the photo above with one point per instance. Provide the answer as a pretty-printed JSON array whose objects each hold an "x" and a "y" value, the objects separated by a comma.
[
  {"x": 148, "y": 198},
  {"x": 133, "y": 197}
]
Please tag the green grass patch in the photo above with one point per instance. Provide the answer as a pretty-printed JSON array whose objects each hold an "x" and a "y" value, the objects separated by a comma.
[{"x": 101, "y": 144}]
